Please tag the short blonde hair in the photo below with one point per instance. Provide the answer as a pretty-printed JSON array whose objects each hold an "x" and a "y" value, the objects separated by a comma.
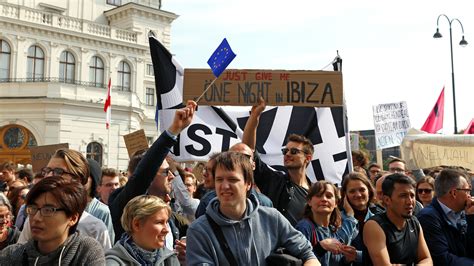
[{"x": 141, "y": 207}]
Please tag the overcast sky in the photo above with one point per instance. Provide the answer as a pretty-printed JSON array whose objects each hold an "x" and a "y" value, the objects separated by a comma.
[{"x": 388, "y": 52}]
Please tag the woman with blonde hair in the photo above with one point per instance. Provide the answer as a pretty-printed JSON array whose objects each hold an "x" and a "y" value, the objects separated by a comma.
[{"x": 144, "y": 220}]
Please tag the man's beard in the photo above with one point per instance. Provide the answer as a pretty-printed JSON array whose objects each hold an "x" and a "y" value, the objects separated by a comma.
[{"x": 407, "y": 216}]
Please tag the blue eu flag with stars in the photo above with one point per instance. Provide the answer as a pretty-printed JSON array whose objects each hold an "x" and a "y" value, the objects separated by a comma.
[{"x": 221, "y": 58}]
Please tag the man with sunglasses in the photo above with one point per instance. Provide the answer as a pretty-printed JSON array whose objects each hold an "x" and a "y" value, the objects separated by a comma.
[
  {"x": 448, "y": 222},
  {"x": 287, "y": 189}
]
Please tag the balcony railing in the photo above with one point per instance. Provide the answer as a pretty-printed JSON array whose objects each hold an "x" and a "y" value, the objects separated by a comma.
[
  {"x": 65, "y": 22},
  {"x": 54, "y": 80}
]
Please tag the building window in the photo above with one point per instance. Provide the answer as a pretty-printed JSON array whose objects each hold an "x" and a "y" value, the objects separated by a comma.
[
  {"x": 124, "y": 75},
  {"x": 150, "y": 96},
  {"x": 15, "y": 141},
  {"x": 35, "y": 64},
  {"x": 149, "y": 70},
  {"x": 114, "y": 2},
  {"x": 67, "y": 65},
  {"x": 96, "y": 72},
  {"x": 5, "y": 53},
  {"x": 94, "y": 152}
]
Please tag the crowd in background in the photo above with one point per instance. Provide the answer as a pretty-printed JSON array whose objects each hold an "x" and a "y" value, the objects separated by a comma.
[{"x": 233, "y": 209}]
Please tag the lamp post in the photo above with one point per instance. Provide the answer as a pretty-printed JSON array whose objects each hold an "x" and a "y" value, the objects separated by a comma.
[{"x": 463, "y": 43}]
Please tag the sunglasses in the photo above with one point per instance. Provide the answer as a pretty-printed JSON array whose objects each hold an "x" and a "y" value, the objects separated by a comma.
[
  {"x": 292, "y": 151},
  {"x": 424, "y": 190}
]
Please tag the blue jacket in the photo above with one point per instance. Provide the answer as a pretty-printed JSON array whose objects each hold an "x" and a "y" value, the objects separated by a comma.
[
  {"x": 345, "y": 234},
  {"x": 363, "y": 257},
  {"x": 251, "y": 239},
  {"x": 447, "y": 245}
]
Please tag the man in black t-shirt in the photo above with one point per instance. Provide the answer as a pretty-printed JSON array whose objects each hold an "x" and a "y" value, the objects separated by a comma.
[
  {"x": 395, "y": 236},
  {"x": 287, "y": 189}
]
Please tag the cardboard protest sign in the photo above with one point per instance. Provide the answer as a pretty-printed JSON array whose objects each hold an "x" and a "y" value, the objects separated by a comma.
[
  {"x": 277, "y": 87},
  {"x": 391, "y": 123},
  {"x": 40, "y": 155},
  {"x": 421, "y": 150},
  {"x": 135, "y": 141}
]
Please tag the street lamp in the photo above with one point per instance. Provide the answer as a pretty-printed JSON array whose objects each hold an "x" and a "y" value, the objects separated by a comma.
[{"x": 463, "y": 43}]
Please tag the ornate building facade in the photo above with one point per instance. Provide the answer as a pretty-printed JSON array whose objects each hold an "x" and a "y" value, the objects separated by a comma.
[{"x": 56, "y": 58}]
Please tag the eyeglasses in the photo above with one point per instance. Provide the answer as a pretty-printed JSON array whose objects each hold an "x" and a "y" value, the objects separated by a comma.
[
  {"x": 424, "y": 190},
  {"x": 292, "y": 151},
  {"x": 165, "y": 172},
  {"x": 396, "y": 170},
  {"x": 56, "y": 171},
  {"x": 46, "y": 211},
  {"x": 467, "y": 190}
]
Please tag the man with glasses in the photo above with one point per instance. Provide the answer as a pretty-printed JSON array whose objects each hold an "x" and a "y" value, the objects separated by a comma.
[
  {"x": 374, "y": 169},
  {"x": 109, "y": 182},
  {"x": 54, "y": 207},
  {"x": 397, "y": 165},
  {"x": 448, "y": 222},
  {"x": 71, "y": 165},
  {"x": 287, "y": 189}
]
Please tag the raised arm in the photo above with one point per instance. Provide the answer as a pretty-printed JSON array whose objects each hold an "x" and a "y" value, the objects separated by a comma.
[
  {"x": 183, "y": 118},
  {"x": 374, "y": 240},
  {"x": 250, "y": 131},
  {"x": 148, "y": 166}
]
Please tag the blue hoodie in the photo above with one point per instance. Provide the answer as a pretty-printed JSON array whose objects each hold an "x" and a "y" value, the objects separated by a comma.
[{"x": 260, "y": 232}]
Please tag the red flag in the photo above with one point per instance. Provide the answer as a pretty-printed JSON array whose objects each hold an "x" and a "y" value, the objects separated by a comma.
[
  {"x": 435, "y": 119},
  {"x": 470, "y": 128},
  {"x": 108, "y": 107}
]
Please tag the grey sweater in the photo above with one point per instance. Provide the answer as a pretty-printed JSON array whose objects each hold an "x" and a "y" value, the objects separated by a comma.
[
  {"x": 118, "y": 255},
  {"x": 77, "y": 250},
  {"x": 261, "y": 231}
]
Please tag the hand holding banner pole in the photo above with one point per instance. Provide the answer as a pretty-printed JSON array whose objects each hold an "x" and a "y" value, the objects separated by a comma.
[{"x": 218, "y": 62}]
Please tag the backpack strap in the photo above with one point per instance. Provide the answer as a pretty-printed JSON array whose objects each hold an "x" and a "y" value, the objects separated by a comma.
[{"x": 220, "y": 236}]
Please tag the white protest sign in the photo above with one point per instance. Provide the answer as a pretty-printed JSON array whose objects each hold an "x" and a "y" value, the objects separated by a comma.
[{"x": 391, "y": 123}]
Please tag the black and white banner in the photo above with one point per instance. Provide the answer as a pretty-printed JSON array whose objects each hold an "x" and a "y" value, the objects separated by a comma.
[
  {"x": 216, "y": 129},
  {"x": 210, "y": 133}
]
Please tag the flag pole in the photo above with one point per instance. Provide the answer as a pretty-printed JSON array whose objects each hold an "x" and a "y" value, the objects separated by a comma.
[
  {"x": 204, "y": 92},
  {"x": 108, "y": 146}
]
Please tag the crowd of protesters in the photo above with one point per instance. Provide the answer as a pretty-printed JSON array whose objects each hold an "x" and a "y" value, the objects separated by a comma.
[{"x": 233, "y": 209}]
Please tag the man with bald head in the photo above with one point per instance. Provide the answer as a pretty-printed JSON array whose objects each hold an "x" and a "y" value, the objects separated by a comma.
[{"x": 245, "y": 149}]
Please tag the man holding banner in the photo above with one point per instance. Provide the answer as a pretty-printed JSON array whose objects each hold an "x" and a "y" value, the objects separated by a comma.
[{"x": 287, "y": 190}]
